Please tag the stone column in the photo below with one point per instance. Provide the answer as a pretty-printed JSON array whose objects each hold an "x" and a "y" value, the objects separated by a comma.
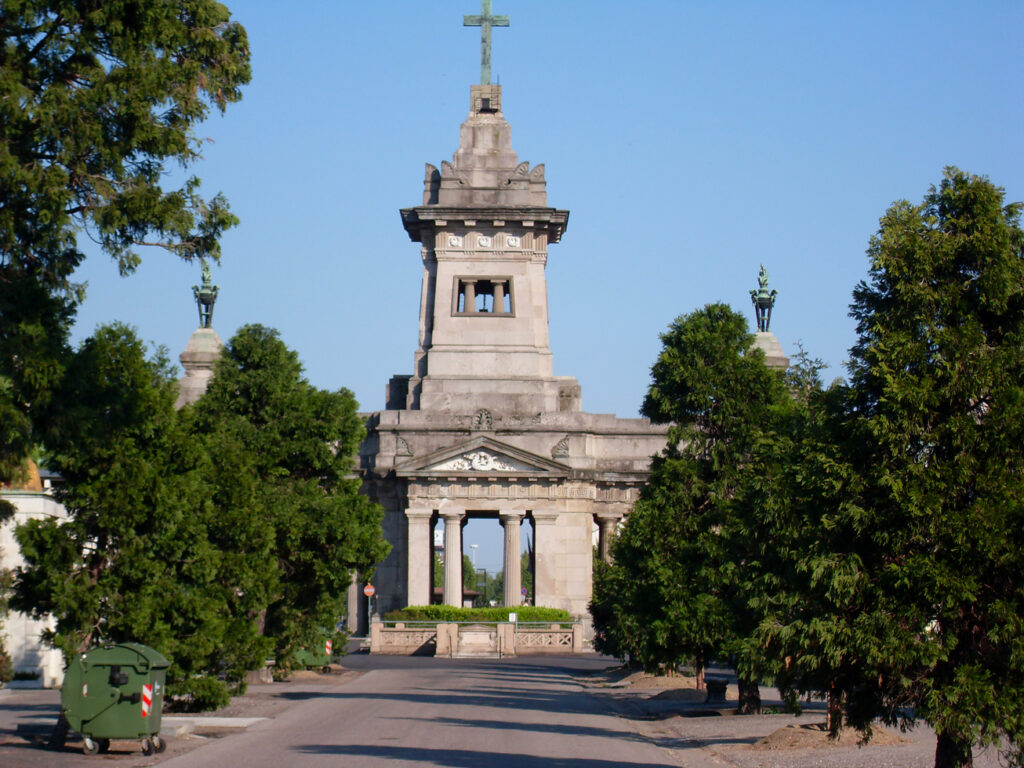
[
  {"x": 608, "y": 523},
  {"x": 419, "y": 555},
  {"x": 545, "y": 548},
  {"x": 499, "y": 297},
  {"x": 452, "y": 556},
  {"x": 511, "y": 522},
  {"x": 469, "y": 296},
  {"x": 352, "y": 602}
]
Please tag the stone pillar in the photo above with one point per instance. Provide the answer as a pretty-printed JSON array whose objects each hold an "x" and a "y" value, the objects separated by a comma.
[
  {"x": 352, "y": 605},
  {"x": 499, "y": 297},
  {"x": 452, "y": 556},
  {"x": 544, "y": 548},
  {"x": 377, "y": 637},
  {"x": 608, "y": 523},
  {"x": 420, "y": 552},
  {"x": 511, "y": 522},
  {"x": 469, "y": 296}
]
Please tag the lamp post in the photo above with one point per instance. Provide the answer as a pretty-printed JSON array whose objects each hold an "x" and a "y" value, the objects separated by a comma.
[{"x": 472, "y": 555}]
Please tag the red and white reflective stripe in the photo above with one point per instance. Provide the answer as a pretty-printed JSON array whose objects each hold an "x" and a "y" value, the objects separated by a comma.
[
  {"x": 327, "y": 647},
  {"x": 147, "y": 699}
]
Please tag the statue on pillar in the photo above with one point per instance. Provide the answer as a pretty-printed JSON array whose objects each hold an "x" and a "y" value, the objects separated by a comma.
[
  {"x": 206, "y": 295},
  {"x": 763, "y": 301}
]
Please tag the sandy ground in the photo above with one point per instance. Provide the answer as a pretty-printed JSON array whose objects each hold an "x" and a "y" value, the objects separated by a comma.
[{"x": 671, "y": 712}]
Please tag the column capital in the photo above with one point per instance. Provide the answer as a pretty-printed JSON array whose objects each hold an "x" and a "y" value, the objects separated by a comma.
[
  {"x": 511, "y": 516},
  {"x": 542, "y": 516},
  {"x": 419, "y": 513},
  {"x": 452, "y": 515},
  {"x": 606, "y": 518}
]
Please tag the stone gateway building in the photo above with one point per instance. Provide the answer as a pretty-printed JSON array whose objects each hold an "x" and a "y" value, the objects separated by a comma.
[{"x": 482, "y": 427}]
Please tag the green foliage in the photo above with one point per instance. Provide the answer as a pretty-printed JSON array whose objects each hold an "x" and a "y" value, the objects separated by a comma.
[
  {"x": 937, "y": 416},
  {"x": 134, "y": 562},
  {"x": 218, "y": 535},
  {"x": 676, "y": 590},
  {"x": 867, "y": 540},
  {"x": 296, "y": 525},
  {"x": 458, "y": 613},
  {"x": 98, "y": 99},
  {"x": 6, "y": 666}
]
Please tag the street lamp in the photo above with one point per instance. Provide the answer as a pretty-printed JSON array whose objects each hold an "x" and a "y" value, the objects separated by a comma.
[{"x": 472, "y": 555}]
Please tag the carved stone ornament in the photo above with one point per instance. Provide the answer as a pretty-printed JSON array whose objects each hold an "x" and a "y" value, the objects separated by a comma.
[
  {"x": 481, "y": 461},
  {"x": 483, "y": 420},
  {"x": 454, "y": 241},
  {"x": 561, "y": 449},
  {"x": 403, "y": 448},
  {"x": 484, "y": 241},
  {"x": 513, "y": 241}
]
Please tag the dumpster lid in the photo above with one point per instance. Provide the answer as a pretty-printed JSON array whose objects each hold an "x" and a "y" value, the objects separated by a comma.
[{"x": 126, "y": 654}]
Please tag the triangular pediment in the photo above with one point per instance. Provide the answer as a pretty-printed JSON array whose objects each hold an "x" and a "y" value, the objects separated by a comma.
[{"x": 482, "y": 456}]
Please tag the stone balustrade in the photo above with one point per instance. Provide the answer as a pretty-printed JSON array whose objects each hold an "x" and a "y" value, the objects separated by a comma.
[{"x": 468, "y": 640}]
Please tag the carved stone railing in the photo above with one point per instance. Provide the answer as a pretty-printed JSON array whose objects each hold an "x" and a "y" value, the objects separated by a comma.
[
  {"x": 400, "y": 639},
  {"x": 474, "y": 639},
  {"x": 550, "y": 638}
]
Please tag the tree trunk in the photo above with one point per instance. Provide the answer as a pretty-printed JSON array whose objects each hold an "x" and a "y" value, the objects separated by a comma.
[
  {"x": 953, "y": 752},
  {"x": 699, "y": 675},
  {"x": 750, "y": 697},
  {"x": 835, "y": 708}
]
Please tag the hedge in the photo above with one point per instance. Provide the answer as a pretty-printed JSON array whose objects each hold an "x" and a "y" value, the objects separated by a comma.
[{"x": 456, "y": 613}]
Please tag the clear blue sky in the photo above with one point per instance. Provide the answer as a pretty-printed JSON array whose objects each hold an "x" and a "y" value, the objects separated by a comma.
[{"x": 691, "y": 142}]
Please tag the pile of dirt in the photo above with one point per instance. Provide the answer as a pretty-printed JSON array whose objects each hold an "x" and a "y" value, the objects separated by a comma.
[
  {"x": 816, "y": 736},
  {"x": 644, "y": 680},
  {"x": 672, "y": 686}
]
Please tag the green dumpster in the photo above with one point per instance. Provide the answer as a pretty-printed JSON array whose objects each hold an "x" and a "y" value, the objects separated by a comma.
[
  {"x": 115, "y": 692},
  {"x": 317, "y": 656}
]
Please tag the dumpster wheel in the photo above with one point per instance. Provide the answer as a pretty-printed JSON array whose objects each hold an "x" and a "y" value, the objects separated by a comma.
[
  {"x": 89, "y": 746},
  {"x": 104, "y": 745},
  {"x": 159, "y": 744},
  {"x": 147, "y": 747}
]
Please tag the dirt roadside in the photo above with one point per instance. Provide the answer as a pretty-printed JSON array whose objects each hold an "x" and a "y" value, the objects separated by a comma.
[{"x": 670, "y": 712}]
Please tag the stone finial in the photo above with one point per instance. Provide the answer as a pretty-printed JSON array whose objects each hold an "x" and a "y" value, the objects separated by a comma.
[
  {"x": 763, "y": 301},
  {"x": 206, "y": 295}
]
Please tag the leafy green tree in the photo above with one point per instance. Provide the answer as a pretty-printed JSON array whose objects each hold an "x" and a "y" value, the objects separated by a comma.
[
  {"x": 134, "y": 561},
  {"x": 937, "y": 415},
  {"x": 802, "y": 565},
  {"x": 6, "y": 666},
  {"x": 679, "y": 557},
  {"x": 96, "y": 100},
  {"x": 299, "y": 528}
]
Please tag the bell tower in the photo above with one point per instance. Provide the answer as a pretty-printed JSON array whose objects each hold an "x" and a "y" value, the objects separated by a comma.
[
  {"x": 484, "y": 227},
  {"x": 481, "y": 428}
]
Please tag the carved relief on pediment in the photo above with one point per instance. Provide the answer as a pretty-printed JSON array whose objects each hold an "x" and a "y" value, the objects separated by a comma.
[{"x": 481, "y": 461}]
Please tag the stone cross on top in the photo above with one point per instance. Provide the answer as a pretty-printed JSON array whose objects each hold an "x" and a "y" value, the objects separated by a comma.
[{"x": 485, "y": 21}]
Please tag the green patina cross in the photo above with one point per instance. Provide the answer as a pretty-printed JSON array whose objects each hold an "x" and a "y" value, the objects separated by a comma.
[{"x": 485, "y": 21}]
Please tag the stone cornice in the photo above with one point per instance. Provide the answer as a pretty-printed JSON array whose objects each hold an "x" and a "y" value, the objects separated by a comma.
[
  {"x": 427, "y": 218},
  {"x": 422, "y": 493}
]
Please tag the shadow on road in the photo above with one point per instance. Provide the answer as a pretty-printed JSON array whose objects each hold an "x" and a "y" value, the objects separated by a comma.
[
  {"x": 460, "y": 758},
  {"x": 504, "y": 725}
]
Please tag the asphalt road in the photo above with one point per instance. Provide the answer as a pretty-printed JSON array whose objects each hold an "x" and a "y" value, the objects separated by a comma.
[{"x": 435, "y": 712}]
